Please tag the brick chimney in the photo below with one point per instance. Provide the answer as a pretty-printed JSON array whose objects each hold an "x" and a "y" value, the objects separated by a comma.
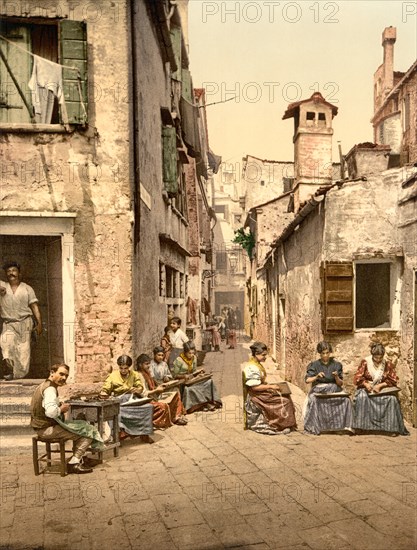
[
  {"x": 312, "y": 145},
  {"x": 384, "y": 75}
]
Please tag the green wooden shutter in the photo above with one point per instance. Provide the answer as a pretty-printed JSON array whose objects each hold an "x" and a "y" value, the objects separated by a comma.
[
  {"x": 187, "y": 86},
  {"x": 337, "y": 297},
  {"x": 169, "y": 160},
  {"x": 12, "y": 108},
  {"x": 175, "y": 33},
  {"x": 73, "y": 41}
]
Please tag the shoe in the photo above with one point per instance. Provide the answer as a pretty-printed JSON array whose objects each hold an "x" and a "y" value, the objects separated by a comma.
[
  {"x": 123, "y": 435},
  {"x": 146, "y": 439},
  {"x": 211, "y": 408},
  {"x": 9, "y": 377},
  {"x": 181, "y": 422},
  {"x": 78, "y": 468}
]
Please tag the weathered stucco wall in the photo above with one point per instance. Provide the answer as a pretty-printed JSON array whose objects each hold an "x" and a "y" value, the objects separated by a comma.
[
  {"x": 299, "y": 286},
  {"x": 86, "y": 171},
  {"x": 156, "y": 216},
  {"x": 263, "y": 180},
  {"x": 362, "y": 222},
  {"x": 272, "y": 219}
]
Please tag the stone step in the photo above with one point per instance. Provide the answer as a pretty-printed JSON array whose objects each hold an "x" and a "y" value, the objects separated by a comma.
[
  {"x": 14, "y": 444},
  {"x": 14, "y": 404},
  {"x": 14, "y": 424},
  {"x": 24, "y": 387}
]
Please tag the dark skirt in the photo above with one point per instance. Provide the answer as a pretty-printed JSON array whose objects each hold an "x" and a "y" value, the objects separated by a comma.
[
  {"x": 198, "y": 395},
  {"x": 136, "y": 420},
  {"x": 331, "y": 414},
  {"x": 380, "y": 413}
]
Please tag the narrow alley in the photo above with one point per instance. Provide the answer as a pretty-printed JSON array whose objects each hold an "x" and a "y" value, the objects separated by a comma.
[{"x": 213, "y": 485}]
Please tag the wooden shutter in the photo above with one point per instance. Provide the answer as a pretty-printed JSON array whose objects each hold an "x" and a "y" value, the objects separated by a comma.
[
  {"x": 169, "y": 160},
  {"x": 187, "y": 86},
  {"x": 73, "y": 41},
  {"x": 337, "y": 297},
  {"x": 175, "y": 33}
]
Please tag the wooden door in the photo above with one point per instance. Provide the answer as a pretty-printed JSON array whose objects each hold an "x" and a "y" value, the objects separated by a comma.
[{"x": 54, "y": 302}]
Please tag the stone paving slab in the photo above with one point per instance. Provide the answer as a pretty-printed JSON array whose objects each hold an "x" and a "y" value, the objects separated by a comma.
[{"x": 212, "y": 485}]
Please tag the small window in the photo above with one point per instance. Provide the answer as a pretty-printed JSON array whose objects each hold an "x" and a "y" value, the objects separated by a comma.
[
  {"x": 221, "y": 261},
  {"x": 406, "y": 113},
  {"x": 170, "y": 277},
  {"x": 322, "y": 119},
  {"x": 310, "y": 115},
  {"x": 373, "y": 295},
  {"x": 262, "y": 182},
  {"x": 162, "y": 280}
]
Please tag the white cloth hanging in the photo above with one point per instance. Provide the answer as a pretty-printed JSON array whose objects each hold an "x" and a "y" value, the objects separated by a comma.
[{"x": 45, "y": 84}]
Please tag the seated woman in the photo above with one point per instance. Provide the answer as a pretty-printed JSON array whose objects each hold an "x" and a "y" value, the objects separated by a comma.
[
  {"x": 168, "y": 407},
  {"x": 333, "y": 414},
  {"x": 267, "y": 410},
  {"x": 375, "y": 411},
  {"x": 159, "y": 367},
  {"x": 201, "y": 395},
  {"x": 124, "y": 383}
]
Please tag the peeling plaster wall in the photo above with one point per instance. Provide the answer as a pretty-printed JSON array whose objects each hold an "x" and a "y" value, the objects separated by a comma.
[
  {"x": 87, "y": 172},
  {"x": 299, "y": 285},
  {"x": 361, "y": 221},
  {"x": 364, "y": 217}
]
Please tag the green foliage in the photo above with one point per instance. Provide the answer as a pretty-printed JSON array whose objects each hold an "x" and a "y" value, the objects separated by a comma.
[{"x": 246, "y": 240}]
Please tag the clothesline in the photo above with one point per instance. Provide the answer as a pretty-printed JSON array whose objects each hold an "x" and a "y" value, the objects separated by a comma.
[
  {"x": 33, "y": 55},
  {"x": 53, "y": 63}
]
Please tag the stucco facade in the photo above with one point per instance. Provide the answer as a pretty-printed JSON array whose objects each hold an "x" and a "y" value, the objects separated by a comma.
[{"x": 94, "y": 205}]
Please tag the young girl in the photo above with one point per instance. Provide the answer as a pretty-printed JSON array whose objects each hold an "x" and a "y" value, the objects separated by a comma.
[
  {"x": 177, "y": 338},
  {"x": 166, "y": 344},
  {"x": 159, "y": 367}
]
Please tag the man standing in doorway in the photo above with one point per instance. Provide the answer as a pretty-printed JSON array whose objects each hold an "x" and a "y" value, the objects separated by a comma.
[{"x": 18, "y": 306}]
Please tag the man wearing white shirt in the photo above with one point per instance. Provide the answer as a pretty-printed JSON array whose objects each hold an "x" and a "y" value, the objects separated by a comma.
[
  {"x": 46, "y": 411},
  {"x": 18, "y": 307}
]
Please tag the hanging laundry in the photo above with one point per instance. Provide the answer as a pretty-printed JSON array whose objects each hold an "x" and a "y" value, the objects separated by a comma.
[{"x": 45, "y": 84}]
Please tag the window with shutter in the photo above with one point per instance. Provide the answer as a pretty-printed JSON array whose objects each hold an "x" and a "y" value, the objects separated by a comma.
[
  {"x": 337, "y": 297},
  {"x": 63, "y": 42},
  {"x": 169, "y": 160}
]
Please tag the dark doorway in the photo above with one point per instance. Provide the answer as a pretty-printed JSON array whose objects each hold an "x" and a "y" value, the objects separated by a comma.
[{"x": 40, "y": 259}]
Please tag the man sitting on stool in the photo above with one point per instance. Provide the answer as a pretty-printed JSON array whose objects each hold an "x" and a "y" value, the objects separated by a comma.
[{"x": 46, "y": 419}]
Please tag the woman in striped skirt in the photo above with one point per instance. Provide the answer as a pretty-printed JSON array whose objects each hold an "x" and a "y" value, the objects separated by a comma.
[
  {"x": 330, "y": 414},
  {"x": 375, "y": 411}
]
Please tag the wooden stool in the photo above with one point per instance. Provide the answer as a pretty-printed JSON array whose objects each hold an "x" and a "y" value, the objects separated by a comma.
[{"x": 47, "y": 457}]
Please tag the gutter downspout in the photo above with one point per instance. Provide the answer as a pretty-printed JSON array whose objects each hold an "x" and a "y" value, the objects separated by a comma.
[{"x": 135, "y": 181}]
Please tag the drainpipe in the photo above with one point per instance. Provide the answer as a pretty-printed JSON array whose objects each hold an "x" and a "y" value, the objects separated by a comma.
[
  {"x": 135, "y": 185},
  {"x": 136, "y": 175}
]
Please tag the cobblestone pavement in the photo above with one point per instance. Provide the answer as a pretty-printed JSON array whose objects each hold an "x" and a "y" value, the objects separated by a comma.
[{"x": 212, "y": 485}]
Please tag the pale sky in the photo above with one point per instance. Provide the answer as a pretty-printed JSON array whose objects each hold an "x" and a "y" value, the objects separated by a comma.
[{"x": 271, "y": 53}]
